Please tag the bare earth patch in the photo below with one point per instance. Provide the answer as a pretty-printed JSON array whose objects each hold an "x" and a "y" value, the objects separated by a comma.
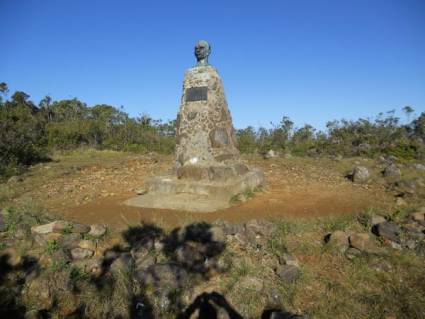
[{"x": 90, "y": 187}]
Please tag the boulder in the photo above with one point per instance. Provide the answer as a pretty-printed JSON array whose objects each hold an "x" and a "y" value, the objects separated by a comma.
[
  {"x": 80, "y": 228},
  {"x": 229, "y": 228},
  {"x": 388, "y": 230},
  {"x": 69, "y": 241},
  {"x": 288, "y": 259},
  {"x": 288, "y": 273},
  {"x": 97, "y": 230},
  {"x": 360, "y": 174},
  {"x": 418, "y": 216},
  {"x": 391, "y": 171},
  {"x": 81, "y": 253},
  {"x": 261, "y": 227},
  {"x": 270, "y": 154},
  {"x": 363, "y": 242},
  {"x": 87, "y": 244},
  {"x": 376, "y": 219},
  {"x": 338, "y": 239},
  {"x": 56, "y": 226}
]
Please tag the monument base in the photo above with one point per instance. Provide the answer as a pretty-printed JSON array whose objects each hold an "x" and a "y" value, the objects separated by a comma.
[{"x": 169, "y": 192}]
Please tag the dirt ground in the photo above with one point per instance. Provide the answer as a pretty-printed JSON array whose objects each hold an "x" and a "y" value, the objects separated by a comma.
[{"x": 91, "y": 186}]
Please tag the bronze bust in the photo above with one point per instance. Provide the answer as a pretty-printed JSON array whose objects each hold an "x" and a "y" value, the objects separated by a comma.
[{"x": 202, "y": 51}]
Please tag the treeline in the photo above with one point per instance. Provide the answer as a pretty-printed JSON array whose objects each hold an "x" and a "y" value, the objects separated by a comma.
[
  {"x": 385, "y": 135},
  {"x": 29, "y": 132}
]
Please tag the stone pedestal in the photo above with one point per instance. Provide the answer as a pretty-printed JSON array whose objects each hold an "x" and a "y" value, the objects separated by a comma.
[{"x": 208, "y": 170}]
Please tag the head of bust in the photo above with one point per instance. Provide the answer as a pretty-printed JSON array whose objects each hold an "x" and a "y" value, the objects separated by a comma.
[{"x": 202, "y": 51}]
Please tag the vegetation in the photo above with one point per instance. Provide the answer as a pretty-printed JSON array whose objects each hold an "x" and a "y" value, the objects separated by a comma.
[{"x": 29, "y": 133}]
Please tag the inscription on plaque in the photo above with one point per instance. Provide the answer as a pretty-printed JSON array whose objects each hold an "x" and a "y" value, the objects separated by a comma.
[{"x": 197, "y": 94}]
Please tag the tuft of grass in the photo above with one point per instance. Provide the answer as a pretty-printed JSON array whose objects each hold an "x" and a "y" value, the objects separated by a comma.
[{"x": 51, "y": 247}]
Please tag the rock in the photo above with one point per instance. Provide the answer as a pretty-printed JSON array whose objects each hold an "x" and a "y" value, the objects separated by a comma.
[
  {"x": 97, "y": 230},
  {"x": 261, "y": 227},
  {"x": 270, "y": 154},
  {"x": 143, "y": 263},
  {"x": 418, "y": 216},
  {"x": 11, "y": 257},
  {"x": 400, "y": 202},
  {"x": 288, "y": 259},
  {"x": 391, "y": 171},
  {"x": 229, "y": 228},
  {"x": 376, "y": 219},
  {"x": 388, "y": 230},
  {"x": 81, "y": 253},
  {"x": 338, "y": 239},
  {"x": 414, "y": 230},
  {"x": 141, "y": 191},
  {"x": 33, "y": 314},
  {"x": 288, "y": 273},
  {"x": 80, "y": 228},
  {"x": 352, "y": 252},
  {"x": 251, "y": 283},
  {"x": 87, "y": 244},
  {"x": 69, "y": 241},
  {"x": 287, "y": 156},
  {"x": 20, "y": 233},
  {"x": 360, "y": 174},
  {"x": 363, "y": 242},
  {"x": 56, "y": 226},
  {"x": 217, "y": 234}
]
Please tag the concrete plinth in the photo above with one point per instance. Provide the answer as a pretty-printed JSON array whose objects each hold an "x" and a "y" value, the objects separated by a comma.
[{"x": 169, "y": 192}]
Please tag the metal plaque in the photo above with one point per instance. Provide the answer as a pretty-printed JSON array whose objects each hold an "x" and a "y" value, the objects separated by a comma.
[{"x": 197, "y": 94}]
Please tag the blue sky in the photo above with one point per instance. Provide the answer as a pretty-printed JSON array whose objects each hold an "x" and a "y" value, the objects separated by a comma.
[{"x": 313, "y": 61}]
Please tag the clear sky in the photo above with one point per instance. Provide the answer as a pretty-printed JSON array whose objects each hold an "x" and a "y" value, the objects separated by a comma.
[{"x": 313, "y": 61}]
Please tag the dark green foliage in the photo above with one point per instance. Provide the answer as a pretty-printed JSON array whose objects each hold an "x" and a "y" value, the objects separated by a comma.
[{"x": 384, "y": 135}]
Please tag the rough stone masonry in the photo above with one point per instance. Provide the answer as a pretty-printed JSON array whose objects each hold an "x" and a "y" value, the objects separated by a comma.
[{"x": 208, "y": 170}]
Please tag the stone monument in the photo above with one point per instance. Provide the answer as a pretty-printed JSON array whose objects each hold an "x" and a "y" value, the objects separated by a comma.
[{"x": 208, "y": 170}]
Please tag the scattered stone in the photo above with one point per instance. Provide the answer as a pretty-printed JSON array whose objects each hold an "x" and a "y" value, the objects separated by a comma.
[
  {"x": 97, "y": 230},
  {"x": 229, "y": 228},
  {"x": 391, "y": 171},
  {"x": 11, "y": 257},
  {"x": 387, "y": 230},
  {"x": 288, "y": 273},
  {"x": 217, "y": 234},
  {"x": 352, "y": 252},
  {"x": 56, "y": 226},
  {"x": 20, "y": 233},
  {"x": 80, "y": 228},
  {"x": 363, "y": 242},
  {"x": 400, "y": 202},
  {"x": 288, "y": 259},
  {"x": 261, "y": 227},
  {"x": 87, "y": 244},
  {"x": 270, "y": 154},
  {"x": 81, "y": 253},
  {"x": 338, "y": 239},
  {"x": 377, "y": 219},
  {"x": 360, "y": 174},
  {"x": 43, "y": 239},
  {"x": 69, "y": 241},
  {"x": 418, "y": 216},
  {"x": 141, "y": 191}
]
